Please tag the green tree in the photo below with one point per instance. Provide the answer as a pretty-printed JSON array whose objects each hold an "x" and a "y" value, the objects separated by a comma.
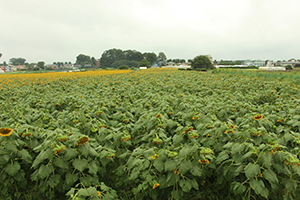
[
  {"x": 82, "y": 59},
  {"x": 288, "y": 67},
  {"x": 0, "y": 55},
  {"x": 145, "y": 63},
  {"x": 133, "y": 55},
  {"x": 41, "y": 64},
  {"x": 93, "y": 61},
  {"x": 151, "y": 57},
  {"x": 110, "y": 56},
  {"x": 162, "y": 59},
  {"x": 202, "y": 62},
  {"x": 17, "y": 61},
  {"x": 123, "y": 67},
  {"x": 119, "y": 63},
  {"x": 27, "y": 65}
]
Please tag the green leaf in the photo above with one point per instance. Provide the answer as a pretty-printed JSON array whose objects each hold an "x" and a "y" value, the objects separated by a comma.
[
  {"x": 54, "y": 180},
  {"x": 185, "y": 166},
  {"x": 42, "y": 155},
  {"x": 93, "y": 152},
  {"x": 177, "y": 194},
  {"x": 222, "y": 156},
  {"x": 266, "y": 159},
  {"x": 25, "y": 155},
  {"x": 228, "y": 145},
  {"x": 247, "y": 155},
  {"x": 238, "y": 170},
  {"x": 45, "y": 170},
  {"x": 84, "y": 149},
  {"x": 93, "y": 168},
  {"x": 71, "y": 178},
  {"x": 134, "y": 173},
  {"x": 92, "y": 191},
  {"x": 238, "y": 188},
  {"x": 265, "y": 193},
  {"x": 196, "y": 171},
  {"x": 80, "y": 164},
  {"x": 70, "y": 154},
  {"x": 170, "y": 165},
  {"x": 270, "y": 176},
  {"x": 83, "y": 192},
  {"x": 185, "y": 151},
  {"x": 61, "y": 163},
  {"x": 290, "y": 185},
  {"x": 185, "y": 185},
  {"x": 177, "y": 139},
  {"x": 171, "y": 179},
  {"x": 11, "y": 147},
  {"x": 236, "y": 148},
  {"x": 12, "y": 169},
  {"x": 158, "y": 164},
  {"x": 296, "y": 169},
  {"x": 252, "y": 170},
  {"x": 194, "y": 184},
  {"x": 70, "y": 192},
  {"x": 256, "y": 185}
]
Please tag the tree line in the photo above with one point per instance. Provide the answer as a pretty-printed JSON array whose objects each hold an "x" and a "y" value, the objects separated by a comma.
[{"x": 115, "y": 58}]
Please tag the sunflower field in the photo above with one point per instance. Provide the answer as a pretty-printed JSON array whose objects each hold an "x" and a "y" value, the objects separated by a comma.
[{"x": 151, "y": 134}]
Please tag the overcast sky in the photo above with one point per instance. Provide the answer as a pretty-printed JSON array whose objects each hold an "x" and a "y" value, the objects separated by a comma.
[{"x": 59, "y": 30}]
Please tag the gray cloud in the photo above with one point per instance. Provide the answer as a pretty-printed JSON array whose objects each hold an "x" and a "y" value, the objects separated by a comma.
[{"x": 60, "y": 30}]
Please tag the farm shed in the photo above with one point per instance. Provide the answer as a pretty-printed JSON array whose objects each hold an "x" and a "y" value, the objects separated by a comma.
[{"x": 272, "y": 68}]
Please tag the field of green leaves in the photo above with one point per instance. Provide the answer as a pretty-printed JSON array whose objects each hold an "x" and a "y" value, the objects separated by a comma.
[{"x": 153, "y": 134}]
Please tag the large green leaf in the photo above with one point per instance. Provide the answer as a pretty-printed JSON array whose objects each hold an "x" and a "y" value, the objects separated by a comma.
[
  {"x": 60, "y": 162},
  {"x": 54, "y": 180},
  {"x": 11, "y": 147},
  {"x": 45, "y": 170},
  {"x": 158, "y": 164},
  {"x": 222, "y": 156},
  {"x": 170, "y": 165},
  {"x": 71, "y": 178},
  {"x": 185, "y": 166},
  {"x": 13, "y": 168},
  {"x": 238, "y": 187},
  {"x": 270, "y": 176},
  {"x": 93, "y": 168},
  {"x": 80, "y": 164},
  {"x": 185, "y": 185},
  {"x": 252, "y": 170},
  {"x": 257, "y": 185},
  {"x": 25, "y": 155}
]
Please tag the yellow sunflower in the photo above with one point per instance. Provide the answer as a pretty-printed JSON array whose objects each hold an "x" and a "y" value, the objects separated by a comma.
[
  {"x": 82, "y": 140},
  {"x": 4, "y": 132},
  {"x": 232, "y": 126},
  {"x": 258, "y": 117},
  {"x": 155, "y": 186}
]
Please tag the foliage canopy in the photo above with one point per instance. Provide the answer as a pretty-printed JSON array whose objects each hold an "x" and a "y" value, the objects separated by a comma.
[{"x": 202, "y": 61}]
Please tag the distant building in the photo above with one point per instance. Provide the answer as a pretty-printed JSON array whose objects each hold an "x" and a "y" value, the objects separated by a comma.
[
  {"x": 51, "y": 66},
  {"x": 21, "y": 67},
  {"x": 259, "y": 63},
  {"x": 171, "y": 64},
  {"x": 98, "y": 63},
  {"x": 69, "y": 66},
  {"x": 272, "y": 68},
  {"x": 88, "y": 66}
]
